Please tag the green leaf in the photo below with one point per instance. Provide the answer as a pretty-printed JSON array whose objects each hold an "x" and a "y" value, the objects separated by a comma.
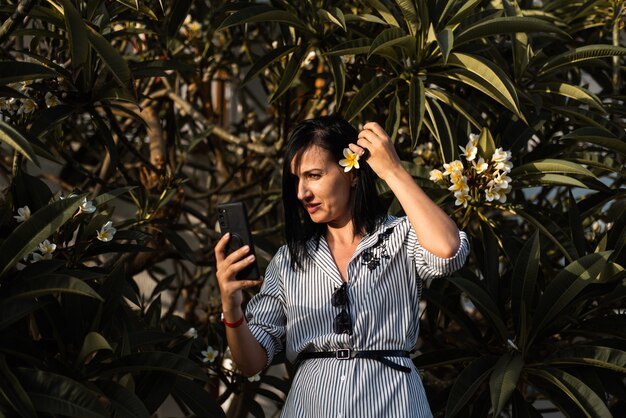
[
  {"x": 53, "y": 283},
  {"x": 446, "y": 42},
  {"x": 338, "y": 70},
  {"x": 384, "y": 12},
  {"x": 495, "y": 82},
  {"x": 110, "y": 57},
  {"x": 197, "y": 399},
  {"x": 291, "y": 72},
  {"x": 14, "y": 392},
  {"x": 577, "y": 56},
  {"x": 17, "y": 71},
  {"x": 267, "y": 59},
  {"x": 464, "y": 10},
  {"x": 392, "y": 123},
  {"x": 523, "y": 284},
  {"x": 263, "y": 14},
  {"x": 441, "y": 129},
  {"x": 365, "y": 95},
  {"x": 54, "y": 394},
  {"x": 612, "y": 143},
  {"x": 105, "y": 197},
  {"x": 417, "y": 107},
  {"x": 177, "y": 16},
  {"x": 326, "y": 16},
  {"x": 548, "y": 180},
  {"x": 590, "y": 355},
  {"x": 76, "y": 33},
  {"x": 364, "y": 17},
  {"x": 443, "y": 357},
  {"x": 549, "y": 228},
  {"x": 391, "y": 37},
  {"x": 504, "y": 380},
  {"x": 179, "y": 243},
  {"x": 154, "y": 361},
  {"x": 510, "y": 24},
  {"x": 455, "y": 103},
  {"x": 124, "y": 403},
  {"x": 587, "y": 401},
  {"x": 486, "y": 144},
  {"x": 12, "y": 311},
  {"x": 483, "y": 302},
  {"x": 467, "y": 383},
  {"x": 34, "y": 230},
  {"x": 565, "y": 286},
  {"x": 353, "y": 47},
  {"x": 17, "y": 141},
  {"x": 551, "y": 166},
  {"x": 92, "y": 343},
  {"x": 49, "y": 118},
  {"x": 574, "y": 92}
]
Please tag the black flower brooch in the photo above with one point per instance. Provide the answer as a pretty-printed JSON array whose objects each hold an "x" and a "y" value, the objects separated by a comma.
[{"x": 371, "y": 258}]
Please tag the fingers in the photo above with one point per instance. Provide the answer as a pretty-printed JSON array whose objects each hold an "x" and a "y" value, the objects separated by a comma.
[
  {"x": 376, "y": 128},
  {"x": 220, "y": 247}
]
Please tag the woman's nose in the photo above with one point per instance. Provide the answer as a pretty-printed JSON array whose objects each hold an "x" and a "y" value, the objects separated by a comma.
[{"x": 303, "y": 191}]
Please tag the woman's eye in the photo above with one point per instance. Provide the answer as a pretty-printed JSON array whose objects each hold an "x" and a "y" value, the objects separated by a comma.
[{"x": 314, "y": 176}]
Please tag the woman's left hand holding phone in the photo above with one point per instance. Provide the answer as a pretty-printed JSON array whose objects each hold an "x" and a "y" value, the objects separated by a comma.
[
  {"x": 246, "y": 350},
  {"x": 227, "y": 269}
]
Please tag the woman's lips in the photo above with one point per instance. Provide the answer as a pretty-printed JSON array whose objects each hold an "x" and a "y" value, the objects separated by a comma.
[{"x": 312, "y": 208}]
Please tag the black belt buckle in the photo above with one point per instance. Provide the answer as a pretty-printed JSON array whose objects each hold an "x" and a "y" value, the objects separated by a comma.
[{"x": 342, "y": 354}]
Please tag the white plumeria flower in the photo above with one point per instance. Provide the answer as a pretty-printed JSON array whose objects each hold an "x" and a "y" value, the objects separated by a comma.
[
  {"x": 193, "y": 30},
  {"x": 500, "y": 156},
  {"x": 209, "y": 355},
  {"x": 455, "y": 165},
  {"x": 502, "y": 181},
  {"x": 308, "y": 61},
  {"x": 351, "y": 160},
  {"x": 505, "y": 166},
  {"x": 47, "y": 248},
  {"x": 469, "y": 151},
  {"x": 480, "y": 166},
  {"x": 52, "y": 100},
  {"x": 491, "y": 194},
  {"x": 457, "y": 176},
  {"x": 28, "y": 106},
  {"x": 460, "y": 185},
  {"x": 474, "y": 138},
  {"x": 38, "y": 257},
  {"x": 106, "y": 232},
  {"x": 229, "y": 364},
  {"x": 254, "y": 378},
  {"x": 23, "y": 214},
  {"x": 436, "y": 175},
  {"x": 87, "y": 207},
  {"x": 191, "y": 333},
  {"x": 462, "y": 198}
]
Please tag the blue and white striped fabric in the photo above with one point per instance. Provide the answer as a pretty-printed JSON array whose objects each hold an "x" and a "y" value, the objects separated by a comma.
[{"x": 293, "y": 312}]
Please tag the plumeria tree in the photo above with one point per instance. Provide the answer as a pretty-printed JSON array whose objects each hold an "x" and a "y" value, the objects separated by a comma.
[{"x": 123, "y": 124}]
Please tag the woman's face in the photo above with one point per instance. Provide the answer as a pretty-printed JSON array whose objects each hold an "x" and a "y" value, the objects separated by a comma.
[{"x": 323, "y": 187}]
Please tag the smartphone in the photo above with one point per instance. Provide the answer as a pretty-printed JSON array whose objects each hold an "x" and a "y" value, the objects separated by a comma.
[{"x": 233, "y": 218}]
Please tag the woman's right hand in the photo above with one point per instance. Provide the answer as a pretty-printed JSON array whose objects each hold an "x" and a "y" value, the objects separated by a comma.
[{"x": 227, "y": 269}]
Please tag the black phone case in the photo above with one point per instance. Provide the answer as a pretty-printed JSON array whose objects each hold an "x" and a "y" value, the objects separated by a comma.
[{"x": 233, "y": 218}]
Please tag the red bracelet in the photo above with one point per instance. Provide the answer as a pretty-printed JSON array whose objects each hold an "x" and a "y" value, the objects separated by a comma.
[{"x": 233, "y": 324}]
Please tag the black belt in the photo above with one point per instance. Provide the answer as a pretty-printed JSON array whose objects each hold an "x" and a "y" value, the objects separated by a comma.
[{"x": 347, "y": 354}]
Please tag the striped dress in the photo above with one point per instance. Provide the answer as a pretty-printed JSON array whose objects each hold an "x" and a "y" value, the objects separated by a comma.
[{"x": 293, "y": 312}]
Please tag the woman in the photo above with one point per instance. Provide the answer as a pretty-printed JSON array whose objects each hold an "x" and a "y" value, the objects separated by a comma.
[{"x": 342, "y": 296}]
